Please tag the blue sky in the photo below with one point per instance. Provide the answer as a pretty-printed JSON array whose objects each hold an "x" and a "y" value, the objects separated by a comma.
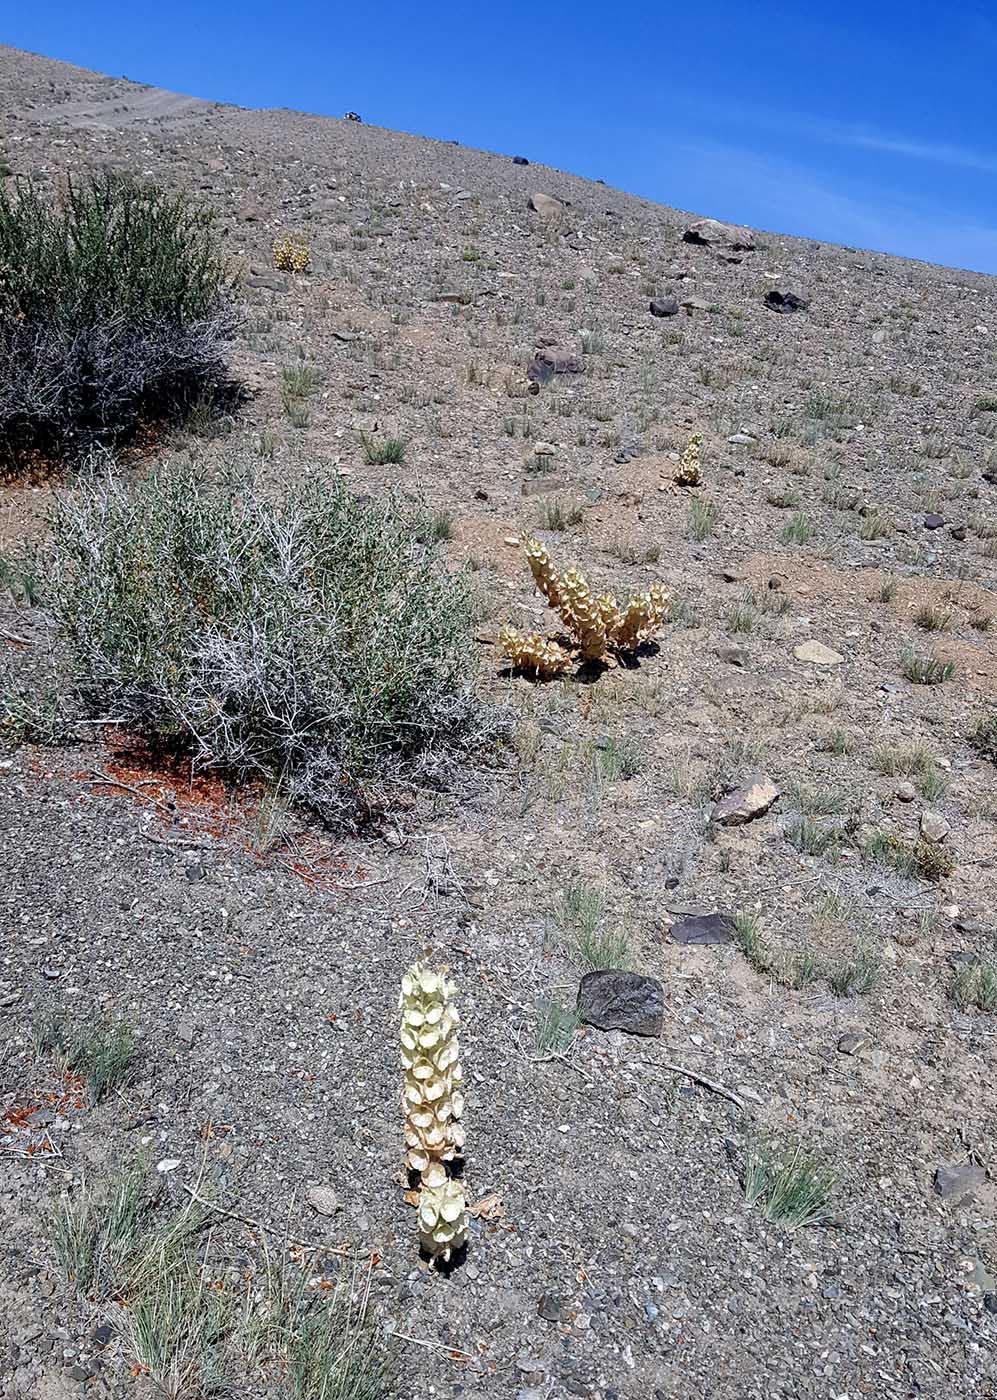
[{"x": 872, "y": 124}]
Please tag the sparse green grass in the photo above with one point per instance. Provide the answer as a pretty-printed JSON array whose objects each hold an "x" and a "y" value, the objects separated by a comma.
[
  {"x": 298, "y": 382},
  {"x": 703, "y": 516},
  {"x": 792, "y": 1187},
  {"x": 809, "y": 837},
  {"x": 875, "y": 527},
  {"x": 986, "y": 403},
  {"x": 771, "y": 601},
  {"x": 616, "y": 759},
  {"x": 839, "y": 742},
  {"x": 382, "y": 451},
  {"x": 888, "y": 589},
  {"x": 741, "y": 619},
  {"x": 93, "y": 1230},
  {"x": 858, "y": 974},
  {"x": 561, "y": 515},
  {"x": 912, "y": 760},
  {"x": 299, "y": 415},
  {"x": 749, "y": 938},
  {"x": 556, "y": 1026},
  {"x": 783, "y": 498},
  {"x": 581, "y": 917},
  {"x": 925, "y": 670},
  {"x": 799, "y": 530},
  {"x": 983, "y": 737},
  {"x": 931, "y": 618},
  {"x": 101, "y": 1051},
  {"x": 438, "y": 527},
  {"x": 974, "y": 987},
  {"x": 175, "y": 1329}
]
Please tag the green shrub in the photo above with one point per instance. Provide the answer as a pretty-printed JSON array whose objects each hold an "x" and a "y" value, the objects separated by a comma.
[
  {"x": 984, "y": 737},
  {"x": 309, "y": 639},
  {"x": 114, "y": 308}
]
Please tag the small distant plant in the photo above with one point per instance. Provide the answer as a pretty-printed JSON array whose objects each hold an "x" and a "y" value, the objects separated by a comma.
[
  {"x": 856, "y": 975},
  {"x": 618, "y": 758},
  {"x": 784, "y": 498},
  {"x": 749, "y": 938},
  {"x": 888, "y": 589},
  {"x": 115, "y": 307},
  {"x": 560, "y": 515},
  {"x": 94, "y": 1230},
  {"x": 809, "y": 837},
  {"x": 291, "y": 254},
  {"x": 382, "y": 451},
  {"x": 101, "y": 1051},
  {"x": 598, "y": 625},
  {"x": 689, "y": 471},
  {"x": 581, "y": 916},
  {"x": 974, "y": 987},
  {"x": 913, "y": 760},
  {"x": 791, "y": 1186},
  {"x": 983, "y": 737},
  {"x": 931, "y": 618},
  {"x": 703, "y": 516},
  {"x": 556, "y": 1027},
  {"x": 925, "y": 670},
  {"x": 798, "y": 531},
  {"x": 875, "y": 527},
  {"x": 741, "y": 618}
]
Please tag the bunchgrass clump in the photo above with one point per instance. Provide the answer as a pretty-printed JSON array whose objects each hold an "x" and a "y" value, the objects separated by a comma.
[
  {"x": 974, "y": 987},
  {"x": 792, "y": 1187},
  {"x": 913, "y": 760},
  {"x": 94, "y": 1230},
  {"x": 382, "y": 451},
  {"x": 810, "y": 837},
  {"x": 307, "y": 637},
  {"x": 703, "y": 516},
  {"x": 932, "y": 618},
  {"x": 799, "y": 530},
  {"x": 925, "y": 670},
  {"x": 856, "y": 975},
  {"x": 615, "y": 759},
  {"x": 581, "y": 918},
  {"x": 561, "y": 515},
  {"x": 115, "y": 306},
  {"x": 101, "y": 1051},
  {"x": 983, "y": 737},
  {"x": 556, "y": 1026}
]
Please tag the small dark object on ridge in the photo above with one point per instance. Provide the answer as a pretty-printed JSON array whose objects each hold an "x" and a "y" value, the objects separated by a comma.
[
  {"x": 353, "y": 117},
  {"x": 785, "y": 301},
  {"x": 664, "y": 306},
  {"x": 520, "y": 160},
  {"x": 934, "y": 522}
]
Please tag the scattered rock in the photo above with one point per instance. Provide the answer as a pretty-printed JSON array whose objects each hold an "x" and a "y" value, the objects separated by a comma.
[
  {"x": 934, "y": 827},
  {"x": 752, "y": 799},
  {"x": 546, "y": 205},
  {"x": 692, "y": 304},
  {"x": 547, "y": 363},
  {"x": 549, "y": 1308},
  {"x": 704, "y": 929},
  {"x": 785, "y": 301},
  {"x": 852, "y": 1043},
  {"x": 273, "y": 281},
  {"x": 323, "y": 1199},
  {"x": 185, "y": 1031},
  {"x": 711, "y": 233},
  {"x": 664, "y": 306},
  {"x": 934, "y": 522},
  {"x": 906, "y": 792},
  {"x": 622, "y": 1001},
  {"x": 954, "y": 1183},
  {"x": 958, "y": 532},
  {"x": 817, "y": 654},
  {"x": 742, "y": 439},
  {"x": 520, "y": 160}
]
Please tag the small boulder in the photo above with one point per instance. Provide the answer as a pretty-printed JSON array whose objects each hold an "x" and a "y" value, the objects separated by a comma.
[
  {"x": 711, "y": 233},
  {"x": 906, "y": 792},
  {"x": 664, "y": 306},
  {"x": 556, "y": 362},
  {"x": 752, "y": 799},
  {"x": 323, "y": 1199},
  {"x": 785, "y": 301},
  {"x": 691, "y": 304},
  {"x": 546, "y": 205},
  {"x": 954, "y": 1183},
  {"x": 622, "y": 1001},
  {"x": 933, "y": 521},
  {"x": 520, "y": 160},
  {"x": 702, "y": 930},
  {"x": 817, "y": 654},
  {"x": 934, "y": 827}
]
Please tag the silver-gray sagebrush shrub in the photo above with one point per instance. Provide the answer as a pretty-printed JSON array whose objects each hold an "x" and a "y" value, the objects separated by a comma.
[{"x": 308, "y": 637}]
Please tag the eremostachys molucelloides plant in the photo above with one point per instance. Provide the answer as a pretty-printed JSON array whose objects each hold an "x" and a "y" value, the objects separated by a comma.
[{"x": 433, "y": 1103}]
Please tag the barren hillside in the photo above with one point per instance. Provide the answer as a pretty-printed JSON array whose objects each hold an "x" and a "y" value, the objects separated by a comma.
[{"x": 792, "y": 754}]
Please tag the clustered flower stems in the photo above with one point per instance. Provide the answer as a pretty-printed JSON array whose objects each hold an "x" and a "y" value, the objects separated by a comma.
[
  {"x": 291, "y": 254},
  {"x": 433, "y": 1103},
  {"x": 690, "y": 471},
  {"x": 597, "y": 625}
]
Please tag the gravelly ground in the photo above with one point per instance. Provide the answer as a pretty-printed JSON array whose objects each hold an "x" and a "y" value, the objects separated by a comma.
[{"x": 622, "y": 1259}]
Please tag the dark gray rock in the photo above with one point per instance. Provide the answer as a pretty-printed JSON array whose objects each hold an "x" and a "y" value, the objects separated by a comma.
[
  {"x": 933, "y": 521},
  {"x": 273, "y": 281},
  {"x": 953, "y": 1182},
  {"x": 785, "y": 301},
  {"x": 851, "y": 1043},
  {"x": 704, "y": 929},
  {"x": 622, "y": 1001},
  {"x": 549, "y": 1308},
  {"x": 520, "y": 160},
  {"x": 664, "y": 306}
]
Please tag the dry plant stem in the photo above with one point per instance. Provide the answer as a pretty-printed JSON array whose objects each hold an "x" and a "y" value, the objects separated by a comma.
[{"x": 341, "y": 1250}]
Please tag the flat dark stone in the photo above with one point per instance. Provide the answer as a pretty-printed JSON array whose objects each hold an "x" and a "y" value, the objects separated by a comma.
[
  {"x": 622, "y": 1001},
  {"x": 953, "y": 1183},
  {"x": 704, "y": 929},
  {"x": 934, "y": 522},
  {"x": 520, "y": 160},
  {"x": 664, "y": 306},
  {"x": 785, "y": 301}
]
